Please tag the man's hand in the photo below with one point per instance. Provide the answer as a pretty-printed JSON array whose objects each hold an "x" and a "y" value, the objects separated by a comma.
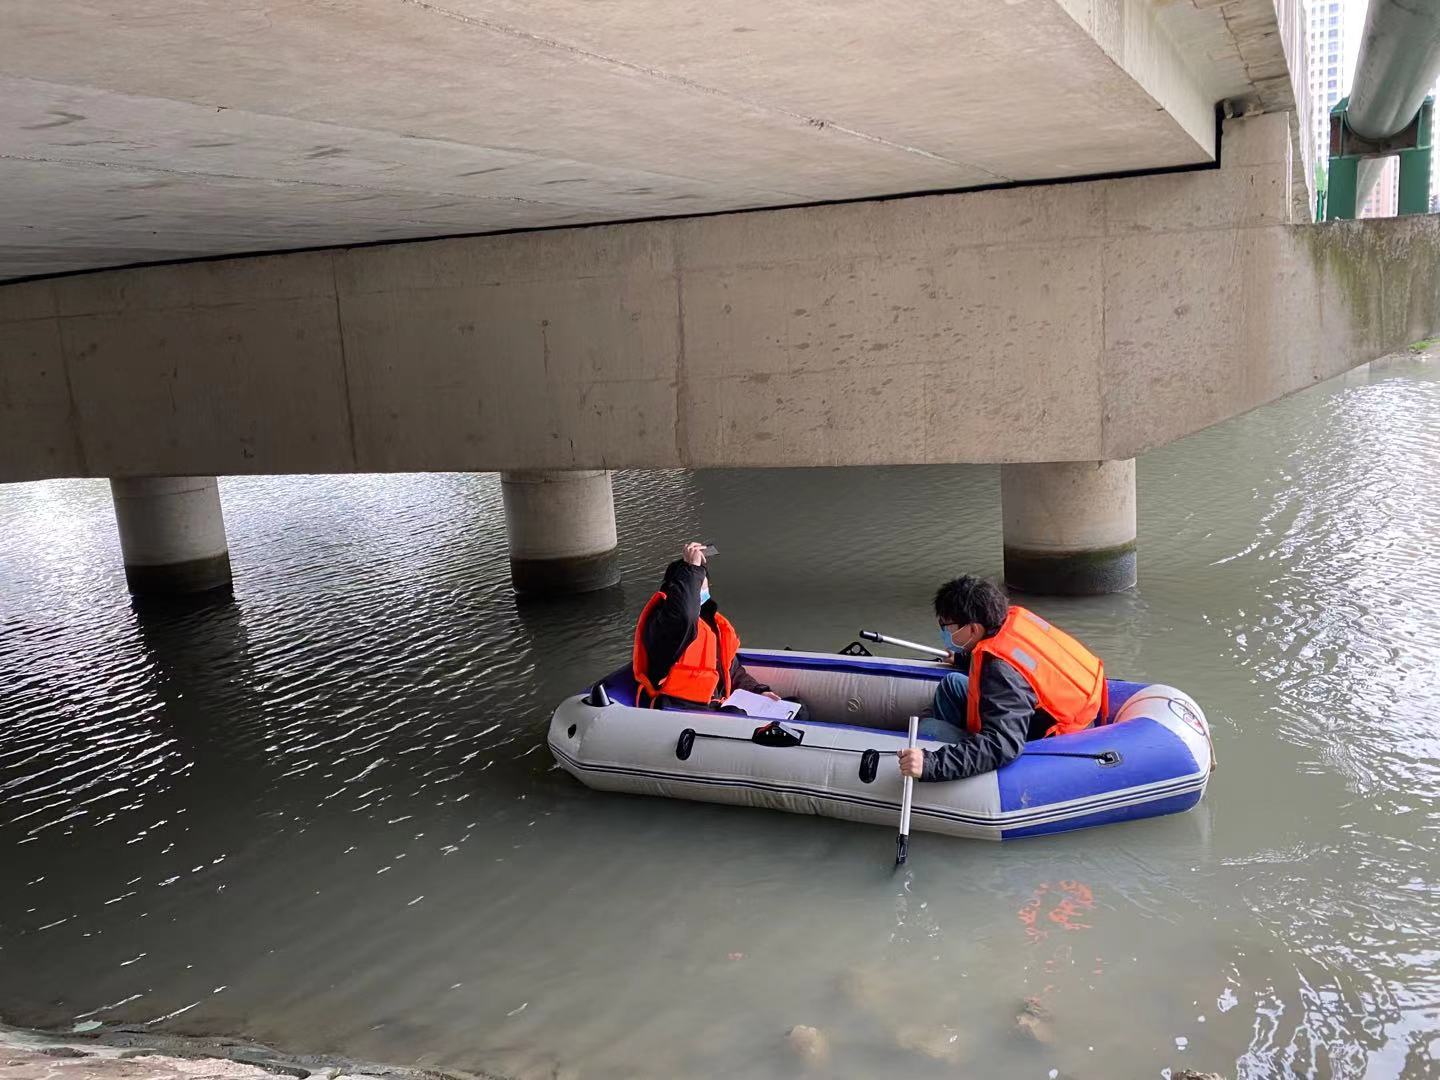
[
  {"x": 912, "y": 762},
  {"x": 948, "y": 659},
  {"x": 770, "y": 694},
  {"x": 695, "y": 554}
]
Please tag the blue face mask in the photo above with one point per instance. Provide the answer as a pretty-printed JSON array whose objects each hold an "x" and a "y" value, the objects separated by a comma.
[
  {"x": 704, "y": 597},
  {"x": 945, "y": 639}
]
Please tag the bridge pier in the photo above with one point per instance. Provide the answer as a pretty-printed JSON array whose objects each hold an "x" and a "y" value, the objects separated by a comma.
[
  {"x": 1069, "y": 526},
  {"x": 561, "y": 527},
  {"x": 172, "y": 534}
]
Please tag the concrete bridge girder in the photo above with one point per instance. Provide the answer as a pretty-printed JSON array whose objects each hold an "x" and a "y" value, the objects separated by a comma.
[{"x": 1084, "y": 321}]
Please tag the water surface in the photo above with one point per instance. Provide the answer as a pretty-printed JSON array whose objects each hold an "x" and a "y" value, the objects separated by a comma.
[{"x": 324, "y": 814}]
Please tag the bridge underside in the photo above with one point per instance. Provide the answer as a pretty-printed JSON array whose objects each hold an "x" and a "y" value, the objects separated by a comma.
[
  {"x": 151, "y": 131},
  {"x": 1080, "y": 321}
]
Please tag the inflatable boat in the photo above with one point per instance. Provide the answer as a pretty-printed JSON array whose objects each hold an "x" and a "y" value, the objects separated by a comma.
[{"x": 1151, "y": 756}]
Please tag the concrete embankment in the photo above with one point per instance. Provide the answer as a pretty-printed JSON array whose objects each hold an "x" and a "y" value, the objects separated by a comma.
[{"x": 124, "y": 1053}]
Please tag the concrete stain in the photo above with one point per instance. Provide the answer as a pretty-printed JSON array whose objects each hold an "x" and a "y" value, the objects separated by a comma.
[{"x": 61, "y": 118}]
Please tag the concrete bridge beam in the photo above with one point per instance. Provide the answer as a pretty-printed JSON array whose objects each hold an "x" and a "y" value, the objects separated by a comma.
[
  {"x": 1080, "y": 322},
  {"x": 561, "y": 528},
  {"x": 1069, "y": 526},
  {"x": 172, "y": 534}
]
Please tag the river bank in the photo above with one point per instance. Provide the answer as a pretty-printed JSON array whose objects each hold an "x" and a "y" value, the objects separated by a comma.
[{"x": 126, "y": 1053}]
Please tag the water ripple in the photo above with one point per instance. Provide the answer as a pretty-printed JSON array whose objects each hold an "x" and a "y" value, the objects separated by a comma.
[{"x": 331, "y": 798}]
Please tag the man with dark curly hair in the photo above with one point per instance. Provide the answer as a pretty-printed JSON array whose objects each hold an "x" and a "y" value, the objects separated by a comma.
[{"x": 1021, "y": 679}]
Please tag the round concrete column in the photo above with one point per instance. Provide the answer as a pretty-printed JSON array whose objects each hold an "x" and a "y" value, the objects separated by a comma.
[
  {"x": 561, "y": 527},
  {"x": 172, "y": 534},
  {"x": 1069, "y": 526}
]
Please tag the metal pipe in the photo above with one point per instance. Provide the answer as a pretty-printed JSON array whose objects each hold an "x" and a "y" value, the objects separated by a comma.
[
  {"x": 886, "y": 639},
  {"x": 1399, "y": 62}
]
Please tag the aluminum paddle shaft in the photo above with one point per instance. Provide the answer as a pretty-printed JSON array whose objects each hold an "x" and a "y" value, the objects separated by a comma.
[
  {"x": 902, "y": 842},
  {"x": 886, "y": 639}
]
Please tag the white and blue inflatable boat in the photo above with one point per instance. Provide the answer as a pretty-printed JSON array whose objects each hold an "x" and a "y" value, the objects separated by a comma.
[{"x": 1152, "y": 756}]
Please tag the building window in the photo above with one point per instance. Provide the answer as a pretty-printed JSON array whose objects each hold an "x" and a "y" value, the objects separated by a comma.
[{"x": 1330, "y": 85}]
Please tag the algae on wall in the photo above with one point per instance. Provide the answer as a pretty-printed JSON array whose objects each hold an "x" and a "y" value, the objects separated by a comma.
[{"x": 1388, "y": 272}]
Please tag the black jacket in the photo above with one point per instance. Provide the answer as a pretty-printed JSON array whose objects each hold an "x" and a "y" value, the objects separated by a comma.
[
  {"x": 671, "y": 626},
  {"x": 1008, "y": 718}
]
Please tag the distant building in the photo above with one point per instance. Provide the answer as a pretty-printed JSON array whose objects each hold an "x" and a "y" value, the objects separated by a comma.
[
  {"x": 1384, "y": 198},
  {"x": 1329, "y": 75}
]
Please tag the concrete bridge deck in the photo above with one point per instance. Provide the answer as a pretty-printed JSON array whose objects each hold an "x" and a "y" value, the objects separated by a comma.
[{"x": 152, "y": 130}]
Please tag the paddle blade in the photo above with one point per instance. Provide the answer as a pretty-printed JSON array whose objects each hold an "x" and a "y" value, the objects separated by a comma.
[{"x": 902, "y": 849}]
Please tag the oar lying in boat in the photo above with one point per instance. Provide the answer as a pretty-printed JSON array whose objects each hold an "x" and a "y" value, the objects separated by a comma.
[{"x": 885, "y": 639}]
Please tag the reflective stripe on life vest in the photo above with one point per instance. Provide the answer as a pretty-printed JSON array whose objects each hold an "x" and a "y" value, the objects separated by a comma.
[
  {"x": 701, "y": 672},
  {"x": 1068, "y": 680}
]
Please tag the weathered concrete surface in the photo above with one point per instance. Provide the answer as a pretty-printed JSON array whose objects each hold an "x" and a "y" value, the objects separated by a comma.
[
  {"x": 1086, "y": 321},
  {"x": 1294, "y": 41},
  {"x": 141, "y": 1053},
  {"x": 1069, "y": 527},
  {"x": 560, "y": 526},
  {"x": 42, "y": 1064},
  {"x": 145, "y": 131},
  {"x": 172, "y": 534}
]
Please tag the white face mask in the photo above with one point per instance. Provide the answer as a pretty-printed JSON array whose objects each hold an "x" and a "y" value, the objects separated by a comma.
[{"x": 952, "y": 646}]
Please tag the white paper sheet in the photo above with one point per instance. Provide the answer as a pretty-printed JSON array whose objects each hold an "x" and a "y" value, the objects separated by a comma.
[{"x": 760, "y": 705}]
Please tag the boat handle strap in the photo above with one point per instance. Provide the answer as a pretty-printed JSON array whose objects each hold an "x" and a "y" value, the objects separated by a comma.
[{"x": 686, "y": 743}]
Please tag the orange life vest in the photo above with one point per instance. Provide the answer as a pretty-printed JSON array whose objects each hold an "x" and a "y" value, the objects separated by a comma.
[
  {"x": 1067, "y": 678},
  {"x": 702, "y": 671}
]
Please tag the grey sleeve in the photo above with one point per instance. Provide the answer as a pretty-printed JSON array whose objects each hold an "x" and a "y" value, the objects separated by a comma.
[{"x": 1006, "y": 706}]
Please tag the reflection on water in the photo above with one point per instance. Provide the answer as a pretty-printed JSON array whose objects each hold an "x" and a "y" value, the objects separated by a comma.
[{"x": 324, "y": 813}]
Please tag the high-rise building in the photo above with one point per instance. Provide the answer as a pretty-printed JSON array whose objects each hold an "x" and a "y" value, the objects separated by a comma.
[
  {"x": 1329, "y": 73},
  {"x": 1384, "y": 197}
]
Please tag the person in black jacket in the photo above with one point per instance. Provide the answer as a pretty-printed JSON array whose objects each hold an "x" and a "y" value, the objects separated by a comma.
[
  {"x": 672, "y": 625},
  {"x": 970, "y": 609}
]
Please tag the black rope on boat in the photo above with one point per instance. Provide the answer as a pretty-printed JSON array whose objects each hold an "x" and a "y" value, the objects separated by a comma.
[
  {"x": 693, "y": 735},
  {"x": 777, "y": 734},
  {"x": 763, "y": 736}
]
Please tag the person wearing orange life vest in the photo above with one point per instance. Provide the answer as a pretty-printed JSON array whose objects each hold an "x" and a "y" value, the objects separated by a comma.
[
  {"x": 685, "y": 651},
  {"x": 1022, "y": 679}
]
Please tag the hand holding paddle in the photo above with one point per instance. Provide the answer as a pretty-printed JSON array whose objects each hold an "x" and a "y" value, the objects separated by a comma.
[{"x": 902, "y": 842}]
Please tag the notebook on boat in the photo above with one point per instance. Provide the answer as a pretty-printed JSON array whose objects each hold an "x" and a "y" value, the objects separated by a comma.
[{"x": 760, "y": 705}]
